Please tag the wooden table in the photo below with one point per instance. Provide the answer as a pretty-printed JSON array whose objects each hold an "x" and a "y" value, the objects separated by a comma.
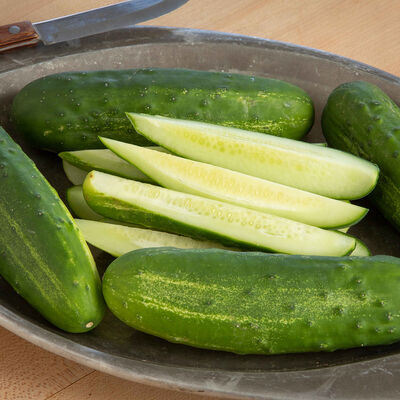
[{"x": 364, "y": 30}]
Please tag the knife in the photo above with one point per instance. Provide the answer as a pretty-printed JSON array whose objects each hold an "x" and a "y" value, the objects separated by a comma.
[{"x": 83, "y": 24}]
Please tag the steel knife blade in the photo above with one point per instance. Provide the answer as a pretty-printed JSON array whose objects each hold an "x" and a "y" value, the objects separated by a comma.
[{"x": 87, "y": 23}]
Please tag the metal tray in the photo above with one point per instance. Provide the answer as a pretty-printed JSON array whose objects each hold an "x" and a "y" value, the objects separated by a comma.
[{"x": 362, "y": 373}]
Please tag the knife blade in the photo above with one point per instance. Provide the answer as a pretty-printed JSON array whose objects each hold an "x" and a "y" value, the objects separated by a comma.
[{"x": 85, "y": 23}]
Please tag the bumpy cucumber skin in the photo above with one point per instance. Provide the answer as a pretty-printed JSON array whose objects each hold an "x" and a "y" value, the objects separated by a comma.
[
  {"x": 68, "y": 111},
  {"x": 361, "y": 119},
  {"x": 43, "y": 254},
  {"x": 256, "y": 303}
]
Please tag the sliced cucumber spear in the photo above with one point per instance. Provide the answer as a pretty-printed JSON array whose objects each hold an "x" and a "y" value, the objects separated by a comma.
[
  {"x": 218, "y": 183},
  {"x": 75, "y": 175},
  {"x": 361, "y": 250},
  {"x": 322, "y": 170},
  {"x": 118, "y": 239},
  {"x": 167, "y": 210},
  {"x": 100, "y": 160},
  {"x": 78, "y": 205}
]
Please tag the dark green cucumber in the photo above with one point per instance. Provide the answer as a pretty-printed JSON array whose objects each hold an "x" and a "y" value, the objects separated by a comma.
[
  {"x": 68, "y": 111},
  {"x": 256, "y": 303},
  {"x": 361, "y": 119},
  {"x": 43, "y": 255}
]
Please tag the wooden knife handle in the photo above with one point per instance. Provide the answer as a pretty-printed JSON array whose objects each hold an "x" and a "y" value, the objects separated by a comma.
[{"x": 20, "y": 34}]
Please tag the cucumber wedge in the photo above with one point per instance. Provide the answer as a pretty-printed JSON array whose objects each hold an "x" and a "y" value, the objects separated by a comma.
[
  {"x": 317, "y": 169},
  {"x": 218, "y": 183},
  {"x": 167, "y": 210},
  {"x": 78, "y": 205},
  {"x": 119, "y": 239},
  {"x": 75, "y": 175},
  {"x": 361, "y": 250},
  {"x": 105, "y": 161}
]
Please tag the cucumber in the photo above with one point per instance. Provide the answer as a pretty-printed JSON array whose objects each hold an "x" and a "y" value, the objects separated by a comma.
[
  {"x": 68, "y": 111},
  {"x": 167, "y": 210},
  {"x": 321, "y": 170},
  {"x": 75, "y": 175},
  {"x": 43, "y": 254},
  {"x": 83, "y": 161},
  {"x": 233, "y": 187},
  {"x": 256, "y": 303},
  {"x": 78, "y": 205},
  {"x": 105, "y": 161},
  {"x": 361, "y": 119},
  {"x": 361, "y": 250},
  {"x": 117, "y": 239}
]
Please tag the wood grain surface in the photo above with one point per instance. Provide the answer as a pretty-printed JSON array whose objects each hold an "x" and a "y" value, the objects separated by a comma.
[{"x": 364, "y": 30}]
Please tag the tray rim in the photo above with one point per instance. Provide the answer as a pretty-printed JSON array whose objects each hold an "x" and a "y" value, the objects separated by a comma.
[{"x": 221, "y": 383}]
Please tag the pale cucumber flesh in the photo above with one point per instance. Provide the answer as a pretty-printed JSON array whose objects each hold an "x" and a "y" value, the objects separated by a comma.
[
  {"x": 106, "y": 161},
  {"x": 119, "y": 239},
  {"x": 317, "y": 169},
  {"x": 361, "y": 250},
  {"x": 233, "y": 187},
  {"x": 168, "y": 210},
  {"x": 78, "y": 205},
  {"x": 74, "y": 174}
]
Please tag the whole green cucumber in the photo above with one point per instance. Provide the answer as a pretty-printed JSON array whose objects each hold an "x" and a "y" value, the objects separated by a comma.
[
  {"x": 256, "y": 303},
  {"x": 42, "y": 252},
  {"x": 68, "y": 111},
  {"x": 361, "y": 119}
]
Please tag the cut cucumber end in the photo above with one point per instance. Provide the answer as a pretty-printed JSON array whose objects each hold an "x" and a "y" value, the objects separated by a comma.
[
  {"x": 74, "y": 174},
  {"x": 361, "y": 249},
  {"x": 168, "y": 210}
]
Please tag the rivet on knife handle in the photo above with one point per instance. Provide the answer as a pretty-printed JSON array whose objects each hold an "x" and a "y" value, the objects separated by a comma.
[{"x": 20, "y": 34}]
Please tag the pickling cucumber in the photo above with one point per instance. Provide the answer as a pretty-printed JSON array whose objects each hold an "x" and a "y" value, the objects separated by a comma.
[
  {"x": 361, "y": 119},
  {"x": 256, "y": 303},
  {"x": 218, "y": 183},
  {"x": 118, "y": 239},
  {"x": 189, "y": 215},
  {"x": 68, "y": 111},
  {"x": 321, "y": 170},
  {"x": 43, "y": 255}
]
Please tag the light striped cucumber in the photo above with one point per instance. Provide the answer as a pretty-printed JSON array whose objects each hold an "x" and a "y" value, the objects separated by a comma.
[
  {"x": 189, "y": 215},
  {"x": 256, "y": 303},
  {"x": 218, "y": 183},
  {"x": 322, "y": 170},
  {"x": 118, "y": 239},
  {"x": 104, "y": 160},
  {"x": 43, "y": 255}
]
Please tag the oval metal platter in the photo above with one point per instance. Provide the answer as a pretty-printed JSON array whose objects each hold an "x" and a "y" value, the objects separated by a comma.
[{"x": 362, "y": 373}]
